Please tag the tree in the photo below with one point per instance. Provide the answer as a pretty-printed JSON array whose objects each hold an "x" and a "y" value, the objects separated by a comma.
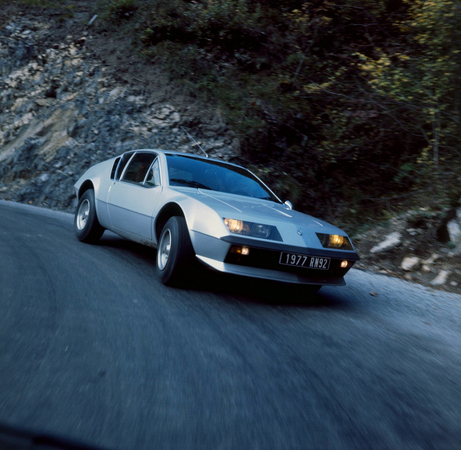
[{"x": 418, "y": 77}]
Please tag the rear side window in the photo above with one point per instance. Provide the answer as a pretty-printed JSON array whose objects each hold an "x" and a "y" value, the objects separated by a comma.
[
  {"x": 138, "y": 167},
  {"x": 153, "y": 177},
  {"x": 125, "y": 158},
  {"x": 114, "y": 168}
]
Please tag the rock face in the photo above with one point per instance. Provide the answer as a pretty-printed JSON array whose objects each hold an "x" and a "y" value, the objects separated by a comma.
[{"x": 62, "y": 110}]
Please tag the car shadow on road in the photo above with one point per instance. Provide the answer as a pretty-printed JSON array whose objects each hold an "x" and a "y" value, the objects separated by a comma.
[
  {"x": 273, "y": 293},
  {"x": 127, "y": 247}
]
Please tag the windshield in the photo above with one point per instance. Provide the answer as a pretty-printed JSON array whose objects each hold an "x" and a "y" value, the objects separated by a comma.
[{"x": 216, "y": 176}]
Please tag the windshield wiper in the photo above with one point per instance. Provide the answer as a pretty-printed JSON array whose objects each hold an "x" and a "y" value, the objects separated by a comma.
[{"x": 190, "y": 183}]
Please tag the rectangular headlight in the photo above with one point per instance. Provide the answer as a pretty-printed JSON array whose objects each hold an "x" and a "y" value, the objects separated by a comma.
[
  {"x": 335, "y": 241},
  {"x": 257, "y": 230}
]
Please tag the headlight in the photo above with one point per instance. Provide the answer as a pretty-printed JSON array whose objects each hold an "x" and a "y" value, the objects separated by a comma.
[
  {"x": 237, "y": 226},
  {"x": 335, "y": 241},
  {"x": 258, "y": 230}
]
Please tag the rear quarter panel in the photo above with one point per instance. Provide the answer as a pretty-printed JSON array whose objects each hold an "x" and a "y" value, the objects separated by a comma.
[{"x": 99, "y": 176}]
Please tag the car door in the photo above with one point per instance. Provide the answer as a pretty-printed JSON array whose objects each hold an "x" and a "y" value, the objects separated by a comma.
[{"x": 132, "y": 198}]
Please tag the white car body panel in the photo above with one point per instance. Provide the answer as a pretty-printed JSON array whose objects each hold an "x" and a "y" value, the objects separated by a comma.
[{"x": 131, "y": 208}]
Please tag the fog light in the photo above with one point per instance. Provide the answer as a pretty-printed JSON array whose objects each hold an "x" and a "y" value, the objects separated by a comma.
[
  {"x": 240, "y": 250},
  {"x": 344, "y": 264}
]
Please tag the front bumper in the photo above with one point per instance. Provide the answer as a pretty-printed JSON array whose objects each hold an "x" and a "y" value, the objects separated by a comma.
[{"x": 263, "y": 260}]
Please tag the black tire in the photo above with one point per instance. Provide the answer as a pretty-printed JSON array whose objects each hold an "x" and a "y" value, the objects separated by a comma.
[
  {"x": 175, "y": 254},
  {"x": 86, "y": 223}
]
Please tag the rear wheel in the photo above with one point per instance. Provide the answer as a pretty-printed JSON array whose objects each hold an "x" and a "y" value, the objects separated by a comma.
[
  {"x": 86, "y": 223},
  {"x": 175, "y": 255}
]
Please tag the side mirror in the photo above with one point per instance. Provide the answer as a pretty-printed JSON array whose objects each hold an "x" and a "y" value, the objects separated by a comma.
[{"x": 288, "y": 203}]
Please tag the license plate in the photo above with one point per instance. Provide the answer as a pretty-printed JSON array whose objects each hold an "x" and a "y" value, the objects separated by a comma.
[{"x": 308, "y": 262}]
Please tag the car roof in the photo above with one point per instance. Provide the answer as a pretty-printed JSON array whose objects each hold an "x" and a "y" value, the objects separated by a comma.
[
  {"x": 189, "y": 155},
  {"x": 202, "y": 158}
]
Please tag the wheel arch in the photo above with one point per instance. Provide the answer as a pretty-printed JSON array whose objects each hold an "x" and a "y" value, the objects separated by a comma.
[
  {"x": 88, "y": 184},
  {"x": 168, "y": 211}
]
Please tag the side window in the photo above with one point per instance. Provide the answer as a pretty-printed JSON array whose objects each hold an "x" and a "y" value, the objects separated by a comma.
[
  {"x": 138, "y": 167},
  {"x": 125, "y": 158},
  {"x": 114, "y": 168},
  {"x": 153, "y": 176}
]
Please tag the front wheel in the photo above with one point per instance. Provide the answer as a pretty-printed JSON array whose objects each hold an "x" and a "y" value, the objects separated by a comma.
[
  {"x": 86, "y": 223},
  {"x": 175, "y": 255}
]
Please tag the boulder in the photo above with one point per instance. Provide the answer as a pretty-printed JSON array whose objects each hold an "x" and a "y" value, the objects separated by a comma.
[
  {"x": 441, "y": 278},
  {"x": 391, "y": 241},
  {"x": 454, "y": 228},
  {"x": 434, "y": 257},
  {"x": 410, "y": 263}
]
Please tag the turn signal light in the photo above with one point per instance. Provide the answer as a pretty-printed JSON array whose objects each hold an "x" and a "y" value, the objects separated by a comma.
[{"x": 344, "y": 264}]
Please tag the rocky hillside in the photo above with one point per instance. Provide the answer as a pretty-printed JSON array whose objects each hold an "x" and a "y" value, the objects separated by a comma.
[
  {"x": 70, "y": 99},
  {"x": 421, "y": 246}
]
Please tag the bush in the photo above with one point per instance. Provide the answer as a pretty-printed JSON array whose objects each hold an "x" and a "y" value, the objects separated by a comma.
[
  {"x": 120, "y": 9},
  {"x": 287, "y": 78}
]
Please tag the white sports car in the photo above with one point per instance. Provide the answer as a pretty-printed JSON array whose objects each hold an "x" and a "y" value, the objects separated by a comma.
[{"x": 193, "y": 208}]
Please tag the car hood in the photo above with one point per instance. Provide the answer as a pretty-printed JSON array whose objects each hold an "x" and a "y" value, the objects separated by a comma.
[
  {"x": 296, "y": 228},
  {"x": 246, "y": 207}
]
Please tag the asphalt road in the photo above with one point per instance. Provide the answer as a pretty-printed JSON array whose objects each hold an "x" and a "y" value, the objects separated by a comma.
[{"x": 93, "y": 347}]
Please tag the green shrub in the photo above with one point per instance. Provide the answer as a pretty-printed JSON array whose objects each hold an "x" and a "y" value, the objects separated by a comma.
[
  {"x": 286, "y": 76},
  {"x": 120, "y": 9}
]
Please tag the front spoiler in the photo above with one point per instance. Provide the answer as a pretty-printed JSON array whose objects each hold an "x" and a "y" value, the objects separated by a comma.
[{"x": 268, "y": 274}]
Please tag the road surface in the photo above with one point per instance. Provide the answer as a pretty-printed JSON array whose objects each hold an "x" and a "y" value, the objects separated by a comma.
[{"x": 93, "y": 347}]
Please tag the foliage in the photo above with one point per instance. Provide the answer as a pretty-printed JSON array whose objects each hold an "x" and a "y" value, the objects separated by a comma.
[
  {"x": 64, "y": 10},
  {"x": 57, "y": 4},
  {"x": 423, "y": 79},
  {"x": 118, "y": 10},
  {"x": 350, "y": 108}
]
